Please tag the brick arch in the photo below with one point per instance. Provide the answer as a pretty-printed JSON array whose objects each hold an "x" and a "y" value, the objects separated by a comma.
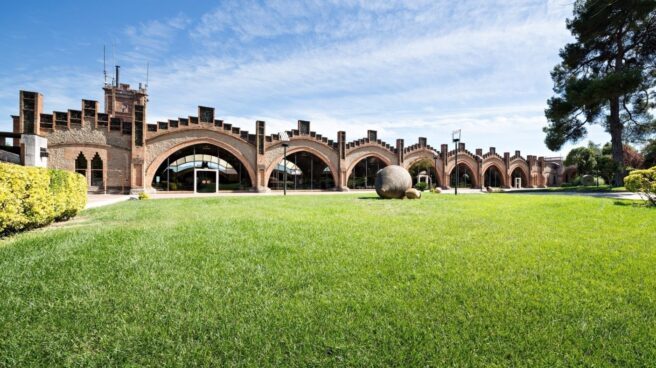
[
  {"x": 361, "y": 154},
  {"x": 466, "y": 159},
  {"x": 407, "y": 164},
  {"x": 523, "y": 167},
  {"x": 499, "y": 165},
  {"x": 298, "y": 147},
  {"x": 414, "y": 156},
  {"x": 155, "y": 163}
]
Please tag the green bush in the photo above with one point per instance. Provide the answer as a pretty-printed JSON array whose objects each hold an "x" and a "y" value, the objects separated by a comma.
[
  {"x": 643, "y": 182},
  {"x": 421, "y": 186},
  {"x": 31, "y": 196},
  {"x": 591, "y": 180}
]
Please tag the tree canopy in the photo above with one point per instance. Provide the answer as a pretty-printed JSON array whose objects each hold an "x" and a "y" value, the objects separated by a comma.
[{"x": 607, "y": 76}]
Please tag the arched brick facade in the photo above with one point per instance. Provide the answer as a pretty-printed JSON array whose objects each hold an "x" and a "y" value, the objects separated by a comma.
[
  {"x": 276, "y": 154},
  {"x": 132, "y": 149}
]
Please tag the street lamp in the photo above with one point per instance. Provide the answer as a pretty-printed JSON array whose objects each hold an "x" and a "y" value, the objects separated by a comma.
[
  {"x": 456, "y": 139},
  {"x": 284, "y": 137}
]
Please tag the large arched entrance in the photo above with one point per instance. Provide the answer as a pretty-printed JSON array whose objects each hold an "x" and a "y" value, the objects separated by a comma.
[
  {"x": 363, "y": 175},
  {"x": 304, "y": 171},
  {"x": 201, "y": 168},
  {"x": 493, "y": 177},
  {"x": 424, "y": 171},
  {"x": 466, "y": 177},
  {"x": 518, "y": 178}
]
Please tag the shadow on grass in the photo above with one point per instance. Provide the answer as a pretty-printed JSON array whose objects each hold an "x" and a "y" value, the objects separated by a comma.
[
  {"x": 632, "y": 203},
  {"x": 376, "y": 198}
]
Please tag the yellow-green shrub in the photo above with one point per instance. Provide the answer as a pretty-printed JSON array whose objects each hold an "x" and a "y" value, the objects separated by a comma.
[
  {"x": 68, "y": 192},
  {"x": 643, "y": 182},
  {"x": 33, "y": 196}
]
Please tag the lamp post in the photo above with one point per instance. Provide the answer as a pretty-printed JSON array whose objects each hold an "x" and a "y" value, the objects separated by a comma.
[
  {"x": 456, "y": 139},
  {"x": 284, "y": 137}
]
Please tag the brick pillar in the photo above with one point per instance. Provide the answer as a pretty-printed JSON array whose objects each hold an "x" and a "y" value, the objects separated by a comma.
[
  {"x": 399, "y": 152},
  {"x": 16, "y": 124},
  {"x": 422, "y": 142},
  {"x": 137, "y": 173},
  {"x": 444, "y": 155},
  {"x": 342, "y": 179},
  {"x": 506, "y": 161},
  {"x": 479, "y": 161},
  {"x": 260, "y": 164},
  {"x": 542, "y": 181}
]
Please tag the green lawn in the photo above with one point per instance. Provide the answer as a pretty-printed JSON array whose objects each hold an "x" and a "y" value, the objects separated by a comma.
[
  {"x": 579, "y": 188},
  {"x": 344, "y": 280}
]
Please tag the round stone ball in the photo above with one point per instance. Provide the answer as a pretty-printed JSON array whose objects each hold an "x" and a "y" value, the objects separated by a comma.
[{"x": 392, "y": 182}]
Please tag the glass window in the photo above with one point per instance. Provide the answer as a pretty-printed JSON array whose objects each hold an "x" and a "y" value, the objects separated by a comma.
[
  {"x": 177, "y": 172},
  {"x": 363, "y": 175},
  {"x": 304, "y": 171}
]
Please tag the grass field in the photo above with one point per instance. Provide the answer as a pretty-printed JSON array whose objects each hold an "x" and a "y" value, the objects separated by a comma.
[{"x": 344, "y": 280}]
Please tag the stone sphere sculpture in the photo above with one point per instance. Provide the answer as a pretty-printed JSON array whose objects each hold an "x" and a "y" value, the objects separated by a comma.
[{"x": 392, "y": 182}]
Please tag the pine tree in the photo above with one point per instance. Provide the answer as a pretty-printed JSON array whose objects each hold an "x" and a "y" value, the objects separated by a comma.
[{"x": 607, "y": 76}]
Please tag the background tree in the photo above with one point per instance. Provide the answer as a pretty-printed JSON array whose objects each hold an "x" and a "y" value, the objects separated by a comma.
[
  {"x": 607, "y": 76},
  {"x": 649, "y": 153},
  {"x": 583, "y": 158},
  {"x": 632, "y": 158}
]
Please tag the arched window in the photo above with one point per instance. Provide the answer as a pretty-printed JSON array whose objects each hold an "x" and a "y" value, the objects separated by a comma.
[
  {"x": 201, "y": 168},
  {"x": 96, "y": 171},
  {"x": 304, "y": 171},
  {"x": 424, "y": 171},
  {"x": 466, "y": 177},
  {"x": 492, "y": 177},
  {"x": 364, "y": 172},
  {"x": 519, "y": 180},
  {"x": 81, "y": 164}
]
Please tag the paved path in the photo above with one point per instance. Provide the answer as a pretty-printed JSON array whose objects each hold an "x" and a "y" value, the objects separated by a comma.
[
  {"x": 98, "y": 200},
  {"x": 615, "y": 195}
]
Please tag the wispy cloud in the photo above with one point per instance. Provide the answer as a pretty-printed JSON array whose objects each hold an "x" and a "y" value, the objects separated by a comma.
[{"x": 404, "y": 68}]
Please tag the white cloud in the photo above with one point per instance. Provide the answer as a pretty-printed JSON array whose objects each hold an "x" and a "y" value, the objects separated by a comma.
[{"x": 403, "y": 68}]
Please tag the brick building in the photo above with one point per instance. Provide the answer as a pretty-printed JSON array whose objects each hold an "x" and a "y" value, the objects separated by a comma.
[{"x": 118, "y": 150}]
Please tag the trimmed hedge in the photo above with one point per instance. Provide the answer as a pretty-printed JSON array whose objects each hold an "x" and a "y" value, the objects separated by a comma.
[
  {"x": 32, "y": 196},
  {"x": 643, "y": 182}
]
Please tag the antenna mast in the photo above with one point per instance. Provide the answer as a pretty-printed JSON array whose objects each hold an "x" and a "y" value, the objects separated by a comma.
[{"x": 104, "y": 65}]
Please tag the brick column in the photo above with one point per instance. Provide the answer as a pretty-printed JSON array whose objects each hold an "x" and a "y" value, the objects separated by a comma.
[
  {"x": 342, "y": 179},
  {"x": 399, "y": 152},
  {"x": 260, "y": 165}
]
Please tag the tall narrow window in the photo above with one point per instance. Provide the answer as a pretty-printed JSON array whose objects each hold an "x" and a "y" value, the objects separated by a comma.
[
  {"x": 81, "y": 164},
  {"x": 96, "y": 171}
]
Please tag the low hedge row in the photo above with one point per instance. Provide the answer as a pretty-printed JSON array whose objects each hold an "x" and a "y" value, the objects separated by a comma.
[{"x": 32, "y": 196}]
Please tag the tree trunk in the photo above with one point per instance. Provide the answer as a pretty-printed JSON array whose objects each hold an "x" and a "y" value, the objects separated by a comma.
[{"x": 616, "y": 127}]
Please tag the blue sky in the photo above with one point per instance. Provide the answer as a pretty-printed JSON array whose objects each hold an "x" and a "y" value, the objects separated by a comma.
[{"x": 406, "y": 69}]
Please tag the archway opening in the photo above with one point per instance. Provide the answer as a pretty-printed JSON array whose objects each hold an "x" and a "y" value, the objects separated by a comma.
[
  {"x": 201, "y": 168},
  {"x": 363, "y": 175},
  {"x": 305, "y": 171},
  {"x": 81, "y": 164},
  {"x": 424, "y": 171},
  {"x": 96, "y": 171},
  {"x": 492, "y": 177},
  {"x": 518, "y": 178},
  {"x": 466, "y": 177}
]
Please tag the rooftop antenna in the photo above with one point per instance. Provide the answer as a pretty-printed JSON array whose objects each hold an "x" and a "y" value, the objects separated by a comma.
[
  {"x": 147, "y": 74},
  {"x": 104, "y": 65}
]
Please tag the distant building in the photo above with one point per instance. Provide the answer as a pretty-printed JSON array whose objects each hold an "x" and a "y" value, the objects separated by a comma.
[{"x": 118, "y": 150}]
